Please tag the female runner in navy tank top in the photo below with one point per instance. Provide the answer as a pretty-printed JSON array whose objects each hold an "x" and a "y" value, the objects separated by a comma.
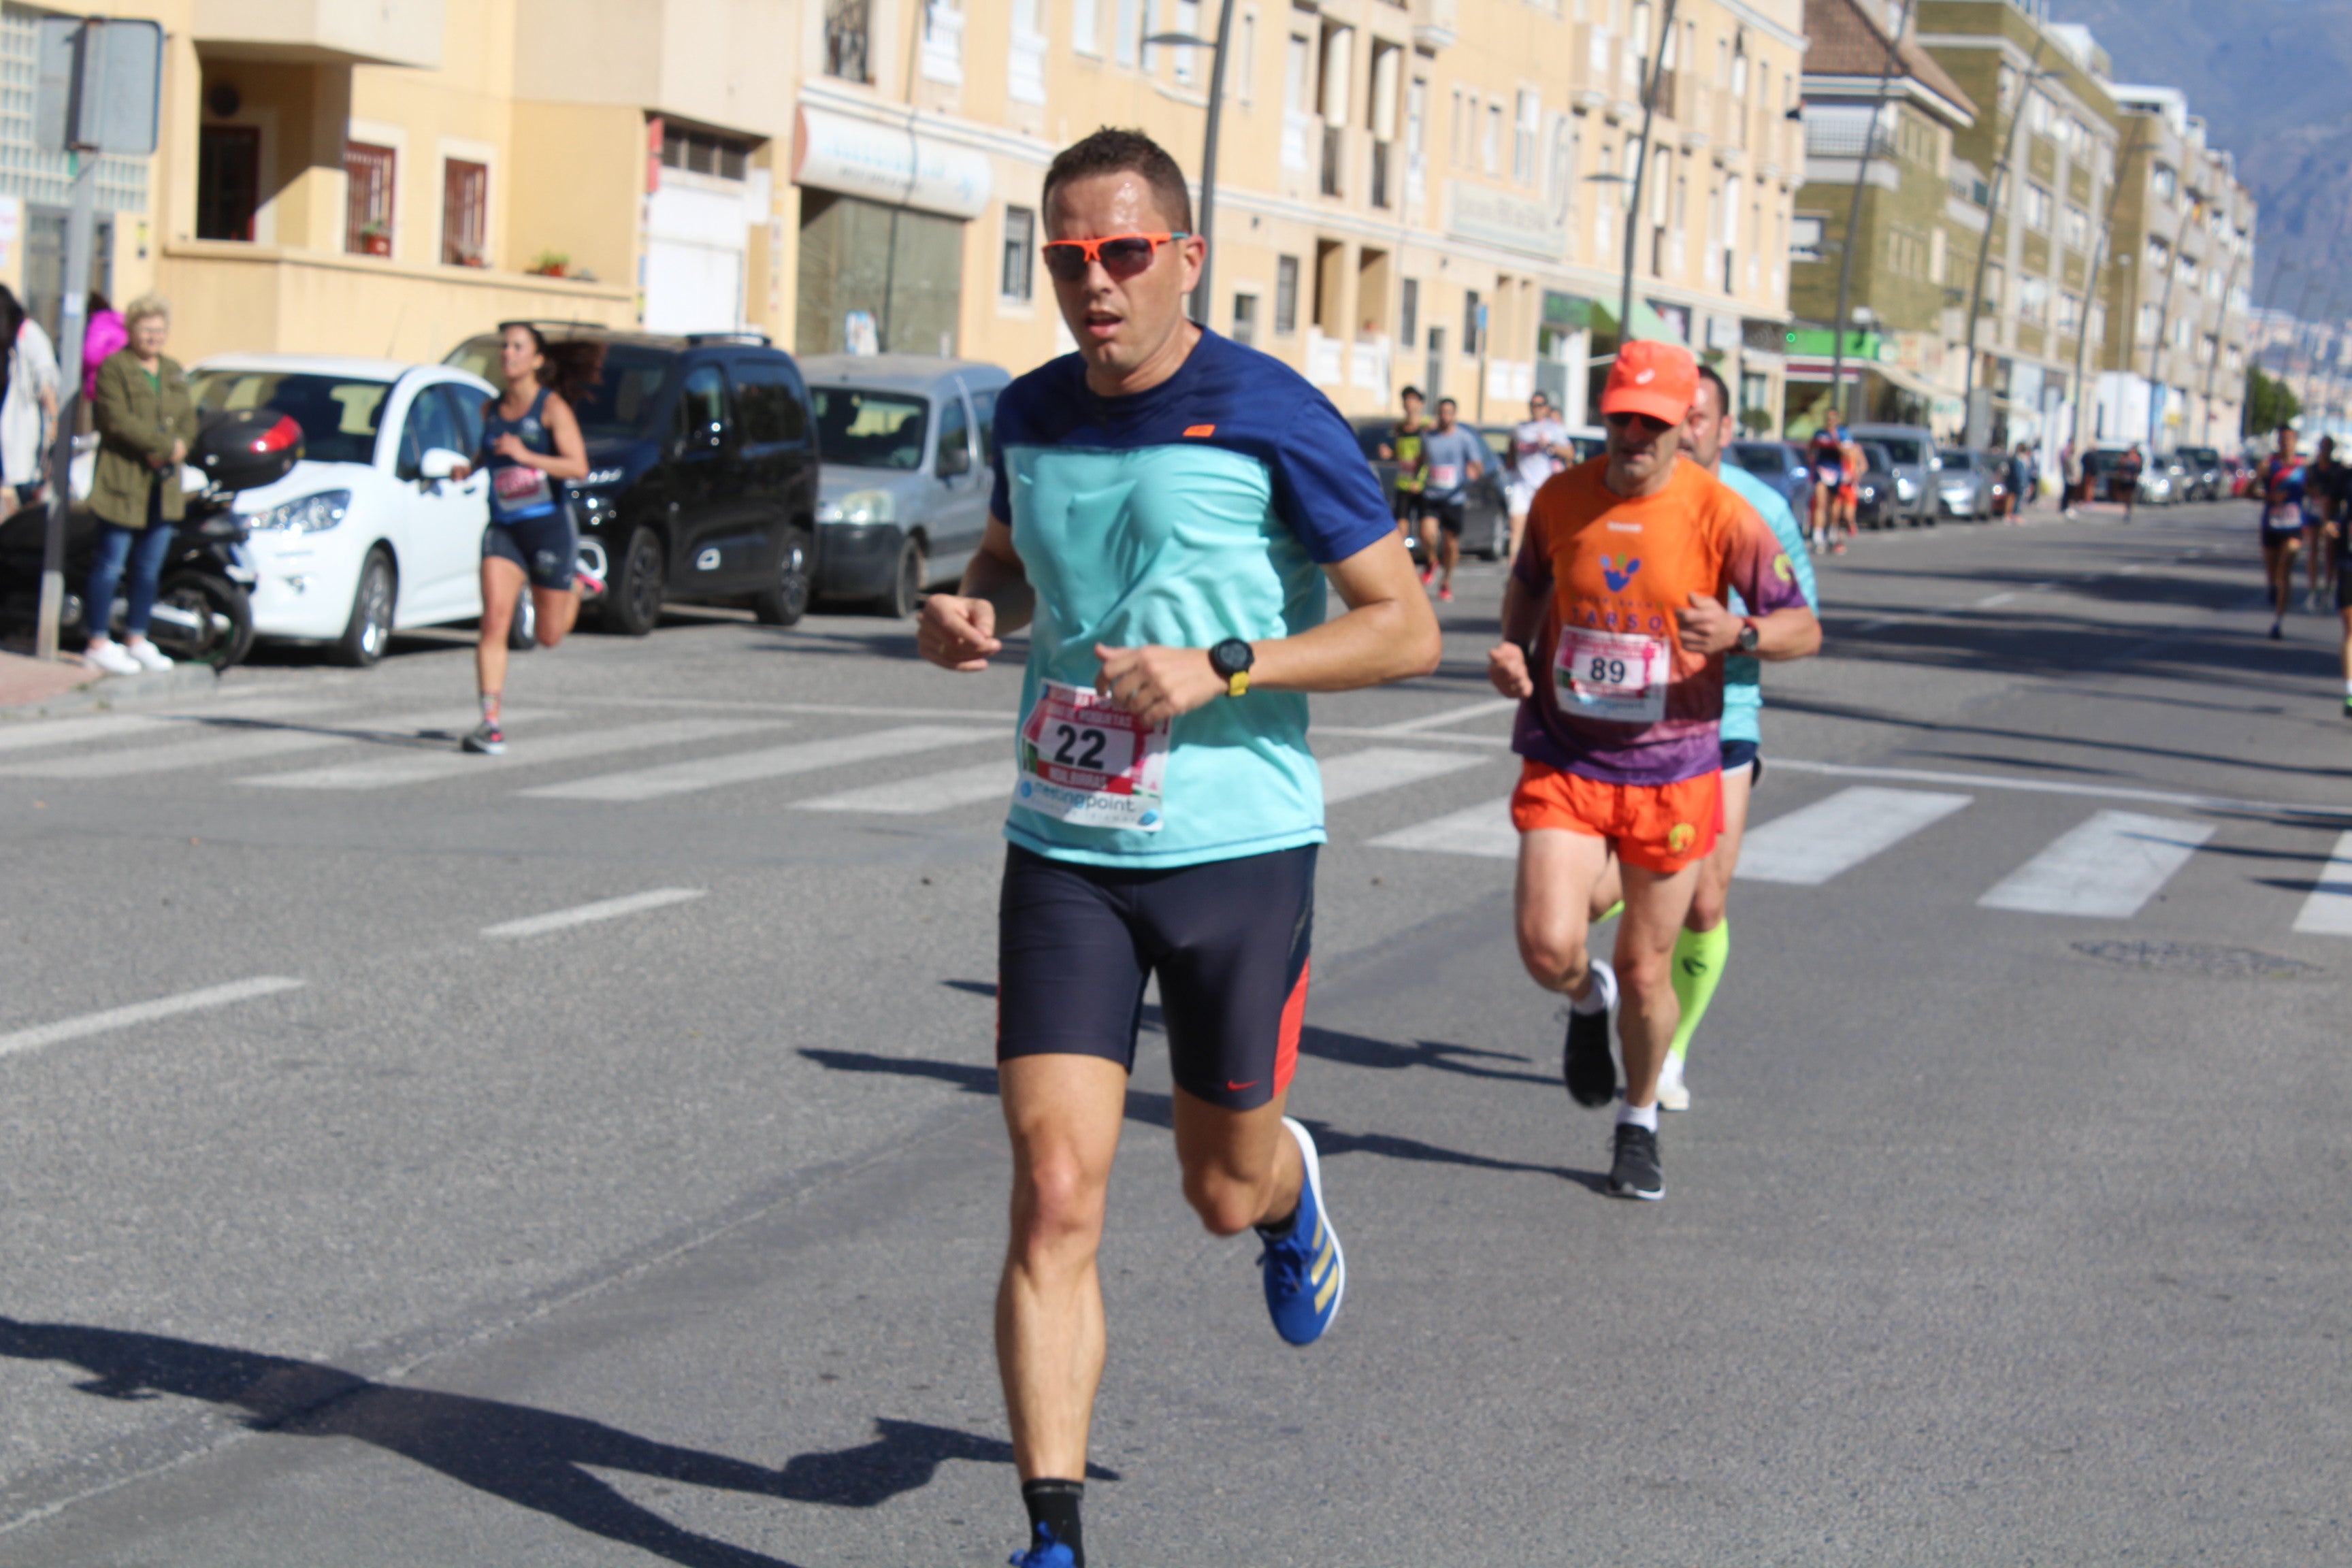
[{"x": 531, "y": 442}]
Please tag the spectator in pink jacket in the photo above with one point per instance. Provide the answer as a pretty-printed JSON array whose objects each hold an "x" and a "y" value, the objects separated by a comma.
[{"x": 104, "y": 335}]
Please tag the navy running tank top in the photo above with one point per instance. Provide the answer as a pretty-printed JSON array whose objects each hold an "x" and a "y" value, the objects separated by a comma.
[{"x": 518, "y": 490}]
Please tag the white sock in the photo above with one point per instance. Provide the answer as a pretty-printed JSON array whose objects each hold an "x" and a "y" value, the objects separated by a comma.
[
  {"x": 1671, "y": 1074},
  {"x": 1603, "y": 994},
  {"x": 1639, "y": 1116}
]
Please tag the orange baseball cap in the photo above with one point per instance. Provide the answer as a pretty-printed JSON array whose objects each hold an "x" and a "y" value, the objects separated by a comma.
[{"x": 1660, "y": 380}]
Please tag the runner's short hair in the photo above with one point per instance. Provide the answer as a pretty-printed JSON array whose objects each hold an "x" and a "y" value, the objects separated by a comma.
[
  {"x": 1706, "y": 373},
  {"x": 1410, "y": 392},
  {"x": 1110, "y": 151}
]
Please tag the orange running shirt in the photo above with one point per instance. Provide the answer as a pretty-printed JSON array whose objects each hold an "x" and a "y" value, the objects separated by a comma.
[{"x": 1618, "y": 698}]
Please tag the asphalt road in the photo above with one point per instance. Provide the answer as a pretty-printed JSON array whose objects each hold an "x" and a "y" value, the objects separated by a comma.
[{"x": 2007, "y": 1225}]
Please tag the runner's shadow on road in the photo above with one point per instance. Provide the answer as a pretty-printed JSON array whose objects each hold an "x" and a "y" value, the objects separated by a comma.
[
  {"x": 1154, "y": 1109},
  {"x": 536, "y": 1459}
]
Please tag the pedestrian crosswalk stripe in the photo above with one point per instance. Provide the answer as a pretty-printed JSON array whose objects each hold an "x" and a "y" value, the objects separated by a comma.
[
  {"x": 2108, "y": 866},
  {"x": 1811, "y": 845},
  {"x": 589, "y": 914},
  {"x": 144, "y": 1013},
  {"x": 2329, "y": 910},
  {"x": 926, "y": 792},
  {"x": 248, "y": 745},
  {"x": 407, "y": 767},
  {"x": 773, "y": 763},
  {"x": 1377, "y": 768},
  {"x": 123, "y": 726},
  {"x": 1484, "y": 830}
]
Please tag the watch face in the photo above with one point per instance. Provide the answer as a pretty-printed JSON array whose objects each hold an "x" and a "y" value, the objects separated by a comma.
[{"x": 1231, "y": 657}]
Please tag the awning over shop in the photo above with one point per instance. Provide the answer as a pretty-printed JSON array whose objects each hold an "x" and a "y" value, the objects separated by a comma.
[
  {"x": 1647, "y": 321},
  {"x": 893, "y": 164}
]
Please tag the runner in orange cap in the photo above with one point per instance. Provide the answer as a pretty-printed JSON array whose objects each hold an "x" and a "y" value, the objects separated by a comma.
[{"x": 1617, "y": 597}]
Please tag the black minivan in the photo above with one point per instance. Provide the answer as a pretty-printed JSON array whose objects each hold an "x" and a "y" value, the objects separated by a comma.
[{"x": 702, "y": 472}]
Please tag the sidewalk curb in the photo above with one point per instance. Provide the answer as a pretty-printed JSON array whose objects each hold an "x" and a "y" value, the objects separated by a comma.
[{"x": 103, "y": 692}]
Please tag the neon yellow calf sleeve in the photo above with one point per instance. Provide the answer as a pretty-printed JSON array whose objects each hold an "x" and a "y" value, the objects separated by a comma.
[{"x": 1700, "y": 958}]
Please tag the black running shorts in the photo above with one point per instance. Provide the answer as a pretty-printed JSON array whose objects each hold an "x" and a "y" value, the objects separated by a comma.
[
  {"x": 547, "y": 547},
  {"x": 1228, "y": 940},
  {"x": 1447, "y": 513},
  {"x": 1738, "y": 754}
]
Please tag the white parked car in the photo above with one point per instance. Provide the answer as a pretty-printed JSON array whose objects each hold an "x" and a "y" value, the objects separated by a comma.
[{"x": 369, "y": 534}]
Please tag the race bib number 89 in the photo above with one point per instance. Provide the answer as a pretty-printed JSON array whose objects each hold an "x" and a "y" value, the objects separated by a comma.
[
  {"x": 1612, "y": 676},
  {"x": 1085, "y": 762}
]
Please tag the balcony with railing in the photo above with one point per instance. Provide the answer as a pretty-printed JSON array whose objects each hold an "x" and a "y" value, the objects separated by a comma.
[{"x": 1841, "y": 130}]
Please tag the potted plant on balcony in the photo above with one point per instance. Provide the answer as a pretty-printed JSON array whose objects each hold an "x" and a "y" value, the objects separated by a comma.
[
  {"x": 376, "y": 238},
  {"x": 551, "y": 264},
  {"x": 468, "y": 255}
]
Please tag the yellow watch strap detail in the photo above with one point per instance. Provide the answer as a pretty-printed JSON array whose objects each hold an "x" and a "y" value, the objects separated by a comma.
[{"x": 1238, "y": 684}]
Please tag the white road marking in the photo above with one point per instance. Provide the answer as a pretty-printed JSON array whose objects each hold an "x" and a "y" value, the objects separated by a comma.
[
  {"x": 1483, "y": 830},
  {"x": 1380, "y": 733},
  {"x": 2329, "y": 910},
  {"x": 842, "y": 709},
  {"x": 247, "y": 745},
  {"x": 122, "y": 726},
  {"x": 1450, "y": 716},
  {"x": 144, "y": 1013},
  {"x": 1808, "y": 847},
  {"x": 2109, "y": 866},
  {"x": 2052, "y": 786},
  {"x": 747, "y": 767},
  {"x": 589, "y": 914},
  {"x": 407, "y": 767},
  {"x": 1880, "y": 625},
  {"x": 1991, "y": 600},
  {"x": 927, "y": 793},
  {"x": 1378, "y": 768}
]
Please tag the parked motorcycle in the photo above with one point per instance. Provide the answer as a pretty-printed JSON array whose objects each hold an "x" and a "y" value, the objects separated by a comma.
[{"x": 203, "y": 614}]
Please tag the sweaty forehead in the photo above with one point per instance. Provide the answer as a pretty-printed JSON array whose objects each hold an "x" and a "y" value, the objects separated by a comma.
[{"x": 1093, "y": 205}]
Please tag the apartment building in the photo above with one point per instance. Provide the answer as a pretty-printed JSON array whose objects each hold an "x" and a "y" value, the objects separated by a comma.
[
  {"x": 1880, "y": 112},
  {"x": 2182, "y": 276},
  {"x": 1430, "y": 191}
]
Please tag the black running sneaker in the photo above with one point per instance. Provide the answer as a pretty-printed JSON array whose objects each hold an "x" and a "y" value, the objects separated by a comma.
[
  {"x": 1634, "y": 1174},
  {"x": 1591, "y": 1076},
  {"x": 486, "y": 737}
]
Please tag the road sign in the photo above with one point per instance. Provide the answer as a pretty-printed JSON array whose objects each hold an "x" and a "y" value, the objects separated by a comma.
[{"x": 98, "y": 85}]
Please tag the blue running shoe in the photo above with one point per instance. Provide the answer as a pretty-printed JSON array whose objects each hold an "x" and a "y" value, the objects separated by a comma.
[
  {"x": 1048, "y": 1553},
  {"x": 1305, "y": 1272}
]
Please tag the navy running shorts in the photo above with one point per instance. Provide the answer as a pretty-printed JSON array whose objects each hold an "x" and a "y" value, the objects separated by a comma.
[
  {"x": 1228, "y": 940},
  {"x": 547, "y": 547},
  {"x": 1738, "y": 754}
]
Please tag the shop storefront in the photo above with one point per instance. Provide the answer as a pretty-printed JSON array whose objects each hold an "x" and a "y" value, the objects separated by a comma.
[{"x": 883, "y": 213}]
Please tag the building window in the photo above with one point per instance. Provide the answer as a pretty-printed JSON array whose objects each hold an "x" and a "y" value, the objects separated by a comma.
[
  {"x": 2037, "y": 209},
  {"x": 465, "y": 214},
  {"x": 1490, "y": 145},
  {"x": 2166, "y": 181},
  {"x": 1131, "y": 27},
  {"x": 368, "y": 178},
  {"x": 2078, "y": 227},
  {"x": 1017, "y": 279},
  {"x": 704, "y": 152},
  {"x": 1245, "y": 320},
  {"x": 1409, "y": 314},
  {"x": 1524, "y": 137},
  {"x": 2159, "y": 256},
  {"x": 1805, "y": 238},
  {"x": 1285, "y": 295},
  {"x": 1471, "y": 321},
  {"x": 1085, "y": 28},
  {"x": 846, "y": 33},
  {"x": 228, "y": 181}
]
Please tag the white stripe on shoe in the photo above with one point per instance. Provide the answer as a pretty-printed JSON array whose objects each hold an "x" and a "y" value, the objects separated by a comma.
[
  {"x": 1809, "y": 846},
  {"x": 2109, "y": 865}
]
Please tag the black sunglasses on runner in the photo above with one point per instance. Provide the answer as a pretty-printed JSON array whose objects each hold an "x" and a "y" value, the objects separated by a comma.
[
  {"x": 1650, "y": 422},
  {"x": 1123, "y": 256}
]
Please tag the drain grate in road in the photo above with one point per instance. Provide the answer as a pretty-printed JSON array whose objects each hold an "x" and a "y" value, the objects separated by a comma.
[{"x": 2200, "y": 958}]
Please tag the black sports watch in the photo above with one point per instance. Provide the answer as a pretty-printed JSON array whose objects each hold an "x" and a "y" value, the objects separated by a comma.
[
  {"x": 1749, "y": 636},
  {"x": 1232, "y": 659}
]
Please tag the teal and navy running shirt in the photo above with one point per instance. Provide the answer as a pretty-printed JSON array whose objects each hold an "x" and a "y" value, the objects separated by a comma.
[
  {"x": 1743, "y": 692},
  {"x": 1201, "y": 509}
]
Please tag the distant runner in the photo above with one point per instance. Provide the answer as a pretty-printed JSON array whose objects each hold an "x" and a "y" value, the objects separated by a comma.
[
  {"x": 1404, "y": 448},
  {"x": 1454, "y": 459},
  {"x": 1828, "y": 464},
  {"x": 1539, "y": 449},
  {"x": 2321, "y": 518},
  {"x": 1168, "y": 509},
  {"x": 1619, "y": 594},
  {"x": 2281, "y": 486}
]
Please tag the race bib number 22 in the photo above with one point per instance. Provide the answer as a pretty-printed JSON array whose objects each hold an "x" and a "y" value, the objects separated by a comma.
[{"x": 1086, "y": 762}]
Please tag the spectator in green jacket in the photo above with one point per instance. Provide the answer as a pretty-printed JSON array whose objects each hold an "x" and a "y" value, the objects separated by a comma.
[{"x": 145, "y": 419}]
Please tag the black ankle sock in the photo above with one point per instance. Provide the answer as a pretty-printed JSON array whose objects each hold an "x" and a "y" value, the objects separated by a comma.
[
  {"x": 1054, "y": 1504},
  {"x": 1276, "y": 1230}
]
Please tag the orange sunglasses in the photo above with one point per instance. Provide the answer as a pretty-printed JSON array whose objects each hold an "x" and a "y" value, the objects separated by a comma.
[{"x": 1122, "y": 255}]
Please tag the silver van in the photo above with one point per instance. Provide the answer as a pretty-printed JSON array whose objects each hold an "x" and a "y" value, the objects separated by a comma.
[
  {"x": 906, "y": 444},
  {"x": 1916, "y": 467}
]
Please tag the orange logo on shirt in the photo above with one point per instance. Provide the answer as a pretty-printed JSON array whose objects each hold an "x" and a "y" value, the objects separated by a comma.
[{"x": 1195, "y": 430}]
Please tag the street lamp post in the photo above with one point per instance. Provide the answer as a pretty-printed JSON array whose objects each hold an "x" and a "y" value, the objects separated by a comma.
[
  {"x": 1204, "y": 297},
  {"x": 2091, "y": 280},
  {"x": 2163, "y": 315},
  {"x": 1640, "y": 174},
  {"x": 1838, "y": 406}
]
